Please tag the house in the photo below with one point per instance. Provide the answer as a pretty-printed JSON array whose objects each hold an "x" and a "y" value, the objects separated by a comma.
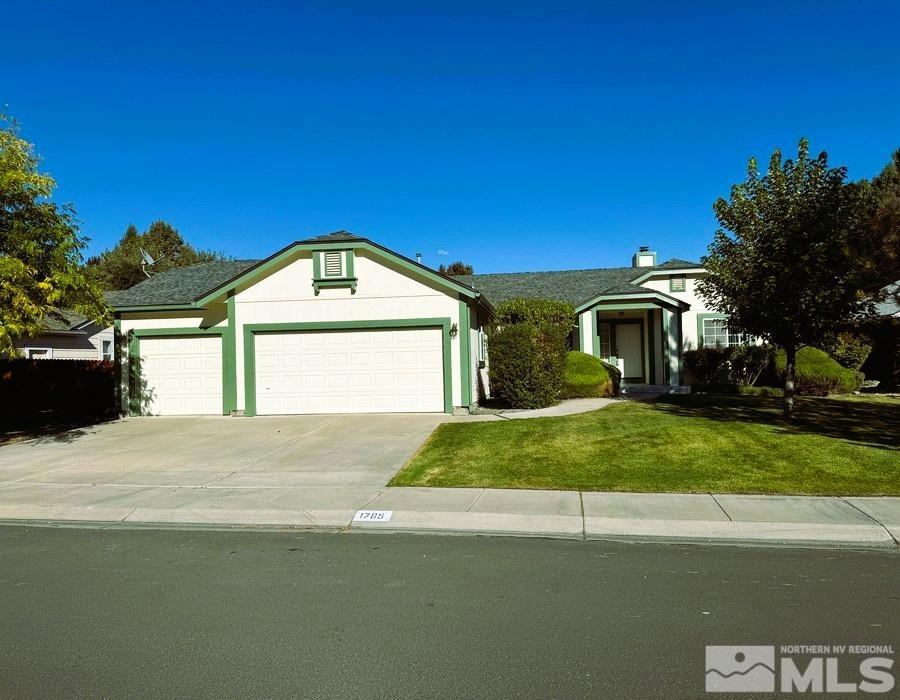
[
  {"x": 69, "y": 336},
  {"x": 341, "y": 324},
  {"x": 333, "y": 324},
  {"x": 640, "y": 318}
]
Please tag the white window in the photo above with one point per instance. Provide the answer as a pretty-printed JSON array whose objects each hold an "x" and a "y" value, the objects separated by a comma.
[
  {"x": 39, "y": 353},
  {"x": 605, "y": 344},
  {"x": 333, "y": 263},
  {"x": 717, "y": 335},
  {"x": 482, "y": 349},
  {"x": 106, "y": 350}
]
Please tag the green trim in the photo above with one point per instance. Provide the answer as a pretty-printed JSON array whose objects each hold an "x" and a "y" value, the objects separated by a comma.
[
  {"x": 465, "y": 357},
  {"x": 595, "y": 335},
  {"x": 348, "y": 265},
  {"x": 229, "y": 360},
  {"x": 155, "y": 307},
  {"x": 134, "y": 352},
  {"x": 251, "y": 329},
  {"x": 700, "y": 319},
  {"x": 651, "y": 349},
  {"x": 118, "y": 352},
  {"x": 661, "y": 299},
  {"x": 673, "y": 279},
  {"x": 317, "y": 264},
  {"x": 286, "y": 253}
]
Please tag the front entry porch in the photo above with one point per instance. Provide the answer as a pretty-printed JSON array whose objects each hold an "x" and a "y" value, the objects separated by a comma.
[{"x": 641, "y": 335}]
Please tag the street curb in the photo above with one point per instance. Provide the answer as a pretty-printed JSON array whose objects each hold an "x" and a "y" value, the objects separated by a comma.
[{"x": 568, "y": 527}]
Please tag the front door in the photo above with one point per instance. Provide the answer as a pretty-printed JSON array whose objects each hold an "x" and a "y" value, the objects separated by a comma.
[{"x": 629, "y": 350}]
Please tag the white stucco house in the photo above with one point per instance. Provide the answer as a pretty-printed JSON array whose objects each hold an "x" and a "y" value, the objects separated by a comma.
[
  {"x": 341, "y": 324},
  {"x": 69, "y": 336}
]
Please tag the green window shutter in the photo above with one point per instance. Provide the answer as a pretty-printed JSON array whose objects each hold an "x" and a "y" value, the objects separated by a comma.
[{"x": 676, "y": 283}]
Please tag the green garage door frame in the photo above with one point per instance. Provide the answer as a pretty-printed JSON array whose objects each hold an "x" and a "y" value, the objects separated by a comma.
[
  {"x": 251, "y": 329},
  {"x": 229, "y": 390}
]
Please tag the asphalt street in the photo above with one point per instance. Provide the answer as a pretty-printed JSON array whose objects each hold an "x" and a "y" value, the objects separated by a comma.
[{"x": 191, "y": 613}]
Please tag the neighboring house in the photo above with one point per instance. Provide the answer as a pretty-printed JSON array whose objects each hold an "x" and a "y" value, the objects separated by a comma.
[
  {"x": 69, "y": 336},
  {"x": 640, "y": 318},
  {"x": 340, "y": 324}
]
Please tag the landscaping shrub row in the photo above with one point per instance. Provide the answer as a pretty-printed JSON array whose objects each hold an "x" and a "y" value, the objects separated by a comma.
[
  {"x": 739, "y": 369},
  {"x": 71, "y": 388}
]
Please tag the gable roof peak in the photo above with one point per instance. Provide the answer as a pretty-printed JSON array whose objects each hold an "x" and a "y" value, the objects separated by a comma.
[{"x": 334, "y": 237}]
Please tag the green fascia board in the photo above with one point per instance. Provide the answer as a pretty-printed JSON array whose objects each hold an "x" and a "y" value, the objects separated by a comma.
[
  {"x": 278, "y": 258},
  {"x": 674, "y": 271},
  {"x": 658, "y": 299},
  {"x": 251, "y": 329},
  {"x": 465, "y": 359},
  {"x": 134, "y": 351},
  {"x": 704, "y": 317},
  {"x": 155, "y": 307}
]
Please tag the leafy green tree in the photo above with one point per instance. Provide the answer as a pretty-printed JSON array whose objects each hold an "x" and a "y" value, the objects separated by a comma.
[
  {"x": 785, "y": 264},
  {"x": 456, "y": 268},
  {"x": 40, "y": 247},
  {"x": 120, "y": 267}
]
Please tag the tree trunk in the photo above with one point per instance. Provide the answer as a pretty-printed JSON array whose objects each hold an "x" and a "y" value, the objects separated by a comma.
[{"x": 790, "y": 375}]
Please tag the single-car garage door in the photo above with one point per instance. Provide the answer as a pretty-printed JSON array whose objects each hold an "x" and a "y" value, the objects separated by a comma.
[
  {"x": 361, "y": 371},
  {"x": 181, "y": 375}
]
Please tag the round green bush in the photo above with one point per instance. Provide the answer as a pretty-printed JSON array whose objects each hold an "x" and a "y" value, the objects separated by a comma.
[
  {"x": 585, "y": 377},
  {"x": 818, "y": 374}
]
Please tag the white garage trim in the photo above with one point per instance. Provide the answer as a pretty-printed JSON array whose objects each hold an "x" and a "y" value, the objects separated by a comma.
[
  {"x": 250, "y": 331},
  {"x": 134, "y": 354}
]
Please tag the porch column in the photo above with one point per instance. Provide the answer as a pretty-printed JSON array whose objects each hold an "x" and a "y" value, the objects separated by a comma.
[
  {"x": 672, "y": 345},
  {"x": 586, "y": 333}
]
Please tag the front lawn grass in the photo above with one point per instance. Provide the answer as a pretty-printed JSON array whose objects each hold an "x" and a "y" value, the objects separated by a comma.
[{"x": 692, "y": 443}]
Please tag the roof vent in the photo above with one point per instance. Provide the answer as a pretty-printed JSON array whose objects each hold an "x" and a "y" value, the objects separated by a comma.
[{"x": 644, "y": 257}]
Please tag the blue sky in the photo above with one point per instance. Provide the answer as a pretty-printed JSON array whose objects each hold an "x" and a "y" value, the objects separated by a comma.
[{"x": 520, "y": 136}]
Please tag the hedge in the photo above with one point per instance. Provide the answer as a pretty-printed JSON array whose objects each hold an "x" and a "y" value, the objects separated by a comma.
[
  {"x": 74, "y": 388},
  {"x": 585, "y": 376},
  {"x": 818, "y": 374}
]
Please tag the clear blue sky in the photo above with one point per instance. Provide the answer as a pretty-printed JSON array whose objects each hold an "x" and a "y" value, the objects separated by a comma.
[{"x": 515, "y": 136}]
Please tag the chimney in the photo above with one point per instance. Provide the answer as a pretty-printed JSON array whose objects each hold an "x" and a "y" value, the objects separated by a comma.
[
  {"x": 644, "y": 257},
  {"x": 419, "y": 258}
]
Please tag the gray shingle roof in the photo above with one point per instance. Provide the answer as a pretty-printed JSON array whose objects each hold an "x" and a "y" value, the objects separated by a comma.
[
  {"x": 573, "y": 286},
  {"x": 63, "y": 321},
  {"x": 184, "y": 284},
  {"x": 336, "y": 237},
  {"x": 181, "y": 285}
]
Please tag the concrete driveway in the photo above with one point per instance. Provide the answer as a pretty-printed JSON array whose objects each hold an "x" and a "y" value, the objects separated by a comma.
[{"x": 330, "y": 465}]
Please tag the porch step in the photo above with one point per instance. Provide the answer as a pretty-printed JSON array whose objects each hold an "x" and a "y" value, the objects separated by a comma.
[{"x": 653, "y": 389}]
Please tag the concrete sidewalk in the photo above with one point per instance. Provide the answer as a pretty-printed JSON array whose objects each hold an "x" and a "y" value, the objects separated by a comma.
[{"x": 794, "y": 520}]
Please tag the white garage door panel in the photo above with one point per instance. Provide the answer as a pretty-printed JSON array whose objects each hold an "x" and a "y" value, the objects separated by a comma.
[
  {"x": 378, "y": 371},
  {"x": 182, "y": 376}
]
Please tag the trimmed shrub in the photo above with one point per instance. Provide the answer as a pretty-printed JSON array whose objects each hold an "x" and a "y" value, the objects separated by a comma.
[
  {"x": 540, "y": 312},
  {"x": 818, "y": 374},
  {"x": 585, "y": 377},
  {"x": 707, "y": 365},
  {"x": 526, "y": 364},
  {"x": 849, "y": 350}
]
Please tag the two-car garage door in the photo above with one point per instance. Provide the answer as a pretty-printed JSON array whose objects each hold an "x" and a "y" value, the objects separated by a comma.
[{"x": 359, "y": 371}]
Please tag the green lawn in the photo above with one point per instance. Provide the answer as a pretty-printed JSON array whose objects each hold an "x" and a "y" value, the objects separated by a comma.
[{"x": 734, "y": 444}]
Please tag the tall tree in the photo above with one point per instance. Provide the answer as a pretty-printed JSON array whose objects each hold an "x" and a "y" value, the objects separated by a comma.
[
  {"x": 456, "y": 268},
  {"x": 120, "y": 267},
  {"x": 881, "y": 230},
  {"x": 40, "y": 246},
  {"x": 785, "y": 264}
]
